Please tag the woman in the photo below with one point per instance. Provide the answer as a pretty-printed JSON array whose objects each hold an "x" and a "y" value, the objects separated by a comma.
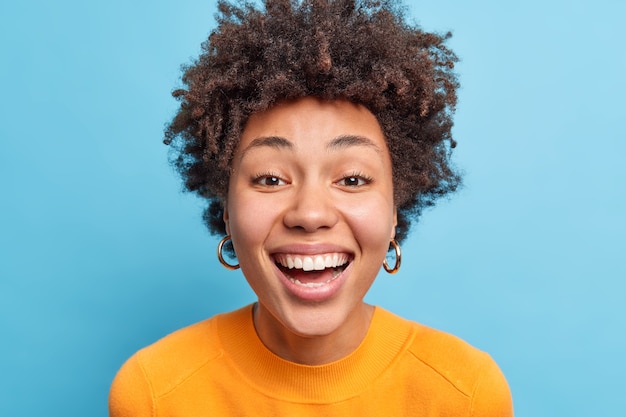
[{"x": 317, "y": 131}]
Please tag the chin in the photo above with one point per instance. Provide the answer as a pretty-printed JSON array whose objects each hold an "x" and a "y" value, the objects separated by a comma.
[{"x": 315, "y": 320}]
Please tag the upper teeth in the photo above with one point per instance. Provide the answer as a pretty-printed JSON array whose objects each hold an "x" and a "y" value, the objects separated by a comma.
[{"x": 312, "y": 262}]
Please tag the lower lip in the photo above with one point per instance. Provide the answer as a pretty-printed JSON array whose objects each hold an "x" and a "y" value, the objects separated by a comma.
[{"x": 314, "y": 294}]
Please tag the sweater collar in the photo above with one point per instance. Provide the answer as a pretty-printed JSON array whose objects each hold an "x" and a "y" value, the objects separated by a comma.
[{"x": 387, "y": 337}]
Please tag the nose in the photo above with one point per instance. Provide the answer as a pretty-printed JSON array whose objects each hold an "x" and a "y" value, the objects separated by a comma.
[{"x": 311, "y": 209}]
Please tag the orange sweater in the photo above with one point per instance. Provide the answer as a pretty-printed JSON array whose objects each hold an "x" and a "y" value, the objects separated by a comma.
[{"x": 219, "y": 367}]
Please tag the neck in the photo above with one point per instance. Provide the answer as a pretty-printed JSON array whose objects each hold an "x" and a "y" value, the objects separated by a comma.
[{"x": 313, "y": 350}]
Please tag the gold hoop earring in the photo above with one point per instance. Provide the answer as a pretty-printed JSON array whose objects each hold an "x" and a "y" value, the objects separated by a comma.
[
  {"x": 220, "y": 256},
  {"x": 396, "y": 267}
]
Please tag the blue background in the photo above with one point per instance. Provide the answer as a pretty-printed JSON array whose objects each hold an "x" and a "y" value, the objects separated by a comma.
[{"x": 101, "y": 253}]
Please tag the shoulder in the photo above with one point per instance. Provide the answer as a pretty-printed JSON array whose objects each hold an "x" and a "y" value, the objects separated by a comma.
[
  {"x": 162, "y": 366},
  {"x": 176, "y": 356},
  {"x": 173, "y": 358},
  {"x": 466, "y": 370}
]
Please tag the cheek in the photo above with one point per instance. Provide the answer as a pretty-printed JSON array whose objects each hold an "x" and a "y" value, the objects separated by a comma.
[
  {"x": 250, "y": 222},
  {"x": 372, "y": 222}
]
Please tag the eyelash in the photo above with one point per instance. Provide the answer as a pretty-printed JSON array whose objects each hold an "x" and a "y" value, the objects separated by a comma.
[
  {"x": 267, "y": 175},
  {"x": 359, "y": 177}
]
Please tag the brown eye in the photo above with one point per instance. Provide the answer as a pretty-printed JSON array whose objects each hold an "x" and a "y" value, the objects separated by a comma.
[
  {"x": 354, "y": 181},
  {"x": 269, "y": 181}
]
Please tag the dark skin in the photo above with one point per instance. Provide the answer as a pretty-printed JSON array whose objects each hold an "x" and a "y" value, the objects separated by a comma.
[{"x": 360, "y": 51}]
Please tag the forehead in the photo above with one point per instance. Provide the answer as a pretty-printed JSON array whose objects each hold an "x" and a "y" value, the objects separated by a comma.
[{"x": 311, "y": 122}]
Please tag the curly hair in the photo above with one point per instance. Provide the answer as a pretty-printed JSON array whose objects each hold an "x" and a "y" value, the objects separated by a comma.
[{"x": 362, "y": 51}]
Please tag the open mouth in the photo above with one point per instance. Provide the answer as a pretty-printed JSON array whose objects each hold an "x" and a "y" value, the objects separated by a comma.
[{"x": 312, "y": 270}]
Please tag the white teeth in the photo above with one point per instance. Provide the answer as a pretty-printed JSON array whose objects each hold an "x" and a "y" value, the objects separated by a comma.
[
  {"x": 313, "y": 262},
  {"x": 320, "y": 264},
  {"x": 309, "y": 284},
  {"x": 307, "y": 264},
  {"x": 313, "y": 284},
  {"x": 297, "y": 263}
]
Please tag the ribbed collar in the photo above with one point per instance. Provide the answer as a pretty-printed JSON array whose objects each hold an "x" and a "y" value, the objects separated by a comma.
[{"x": 386, "y": 338}]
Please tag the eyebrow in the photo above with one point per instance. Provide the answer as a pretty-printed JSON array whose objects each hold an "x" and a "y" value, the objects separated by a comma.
[
  {"x": 339, "y": 143},
  {"x": 347, "y": 141}
]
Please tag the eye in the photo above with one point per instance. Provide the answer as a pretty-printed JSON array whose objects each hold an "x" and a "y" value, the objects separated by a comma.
[
  {"x": 268, "y": 180},
  {"x": 354, "y": 181}
]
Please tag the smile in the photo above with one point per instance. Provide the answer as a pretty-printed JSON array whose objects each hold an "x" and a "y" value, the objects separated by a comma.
[
  {"x": 312, "y": 271},
  {"x": 312, "y": 262}
]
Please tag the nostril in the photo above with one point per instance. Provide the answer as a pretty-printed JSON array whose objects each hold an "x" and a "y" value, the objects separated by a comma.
[{"x": 311, "y": 213}]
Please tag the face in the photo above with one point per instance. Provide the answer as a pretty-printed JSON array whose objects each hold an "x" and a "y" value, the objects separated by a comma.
[{"x": 310, "y": 211}]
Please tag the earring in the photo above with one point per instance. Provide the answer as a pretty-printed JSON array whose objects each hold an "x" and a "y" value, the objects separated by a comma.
[
  {"x": 220, "y": 256},
  {"x": 396, "y": 267}
]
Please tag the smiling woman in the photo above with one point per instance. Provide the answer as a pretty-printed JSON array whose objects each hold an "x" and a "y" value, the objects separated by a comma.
[{"x": 317, "y": 131}]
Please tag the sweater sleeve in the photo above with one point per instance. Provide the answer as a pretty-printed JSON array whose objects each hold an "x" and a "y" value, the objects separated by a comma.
[
  {"x": 492, "y": 396},
  {"x": 131, "y": 394}
]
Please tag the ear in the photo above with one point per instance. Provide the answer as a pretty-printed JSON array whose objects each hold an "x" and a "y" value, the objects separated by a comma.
[{"x": 225, "y": 218}]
